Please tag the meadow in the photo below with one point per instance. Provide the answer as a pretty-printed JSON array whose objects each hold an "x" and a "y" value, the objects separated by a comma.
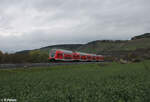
[{"x": 110, "y": 82}]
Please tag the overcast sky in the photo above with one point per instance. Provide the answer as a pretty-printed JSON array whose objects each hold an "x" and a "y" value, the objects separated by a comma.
[{"x": 30, "y": 24}]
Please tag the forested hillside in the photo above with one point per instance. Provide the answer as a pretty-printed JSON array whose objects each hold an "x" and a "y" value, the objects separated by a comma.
[{"x": 139, "y": 45}]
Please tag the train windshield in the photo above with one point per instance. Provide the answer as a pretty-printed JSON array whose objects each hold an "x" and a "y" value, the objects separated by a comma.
[{"x": 52, "y": 54}]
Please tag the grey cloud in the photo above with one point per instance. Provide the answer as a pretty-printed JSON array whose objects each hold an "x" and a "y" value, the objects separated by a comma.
[{"x": 45, "y": 22}]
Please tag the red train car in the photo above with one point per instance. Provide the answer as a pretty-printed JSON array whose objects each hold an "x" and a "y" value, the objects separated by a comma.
[{"x": 66, "y": 55}]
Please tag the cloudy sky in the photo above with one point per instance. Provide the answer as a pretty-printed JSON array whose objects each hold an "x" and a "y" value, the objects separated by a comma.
[{"x": 30, "y": 24}]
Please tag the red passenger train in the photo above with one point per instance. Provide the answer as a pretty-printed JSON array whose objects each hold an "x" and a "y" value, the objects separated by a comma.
[{"x": 66, "y": 55}]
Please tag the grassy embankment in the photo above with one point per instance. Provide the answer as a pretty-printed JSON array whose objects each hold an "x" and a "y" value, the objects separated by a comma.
[
  {"x": 130, "y": 45},
  {"x": 78, "y": 83}
]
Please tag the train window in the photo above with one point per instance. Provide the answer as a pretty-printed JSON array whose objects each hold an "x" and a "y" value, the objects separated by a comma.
[
  {"x": 97, "y": 58},
  {"x": 94, "y": 58},
  {"x": 76, "y": 56},
  {"x": 89, "y": 57},
  {"x": 67, "y": 57},
  {"x": 83, "y": 57},
  {"x": 59, "y": 55}
]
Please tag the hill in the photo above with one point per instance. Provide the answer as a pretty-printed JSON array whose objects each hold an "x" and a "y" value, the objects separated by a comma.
[
  {"x": 62, "y": 46},
  {"x": 136, "y": 49},
  {"x": 48, "y": 48},
  {"x": 105, "y": 46},
  {"x": 146, "y": 35}
]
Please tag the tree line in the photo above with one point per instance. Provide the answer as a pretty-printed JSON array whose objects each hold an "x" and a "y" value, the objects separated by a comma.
[{"x": 31, "y": 57}]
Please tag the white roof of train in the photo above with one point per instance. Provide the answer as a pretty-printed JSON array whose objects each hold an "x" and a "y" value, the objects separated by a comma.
[
  {"x": 86, "y": 53},
  {"x": 67, "y": 51}
]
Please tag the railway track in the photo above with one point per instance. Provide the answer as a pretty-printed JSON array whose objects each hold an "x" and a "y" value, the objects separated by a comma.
[{"x": 29, "y": 65}]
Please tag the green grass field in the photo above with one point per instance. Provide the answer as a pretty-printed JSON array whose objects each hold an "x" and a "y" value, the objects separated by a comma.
[{"x": 78, "y": 83}]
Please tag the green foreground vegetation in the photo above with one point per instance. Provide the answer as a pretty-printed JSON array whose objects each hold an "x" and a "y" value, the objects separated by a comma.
[{"x": 111, "y": 82}]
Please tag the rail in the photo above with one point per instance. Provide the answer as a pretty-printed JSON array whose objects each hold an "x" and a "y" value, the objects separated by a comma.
[{"x": 29, "y": 65}]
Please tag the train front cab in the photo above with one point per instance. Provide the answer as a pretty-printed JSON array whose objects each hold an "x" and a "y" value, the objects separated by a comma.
[
  {"x": 55, "y": 55},
  {"x": 59, "y": 55},
  {"x": 52, "y": 54}
]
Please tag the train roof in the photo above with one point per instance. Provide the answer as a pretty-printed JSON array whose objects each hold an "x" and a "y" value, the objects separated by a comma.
[
  {"x": 86, "y": 53},
  {"x": 68, "y": 51}
]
